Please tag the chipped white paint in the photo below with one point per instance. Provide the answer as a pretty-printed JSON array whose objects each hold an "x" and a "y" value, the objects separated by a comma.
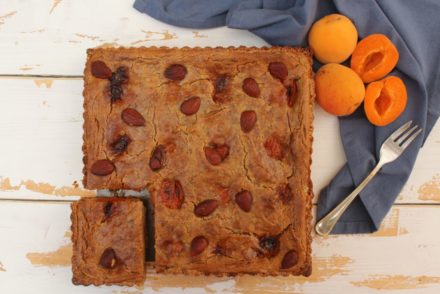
[
  {"x": 38, "y": 253},
  {"x": 55, "y": 3},
  {"x": 41, "y": 120},
  {"x": 5, "y": 16},
  {"x": 44, "y": 122},
  {"x": 63, "y": 30},
  {"x": 41, "y": 131}
]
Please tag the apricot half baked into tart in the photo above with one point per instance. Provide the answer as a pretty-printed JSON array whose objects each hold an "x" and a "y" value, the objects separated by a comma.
[{"x": 222, "y": 140}]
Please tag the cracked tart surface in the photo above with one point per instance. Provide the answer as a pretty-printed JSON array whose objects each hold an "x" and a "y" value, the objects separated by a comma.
[
  {"x": 108, "y": 241},
  {"x": 221, "y": 137}
]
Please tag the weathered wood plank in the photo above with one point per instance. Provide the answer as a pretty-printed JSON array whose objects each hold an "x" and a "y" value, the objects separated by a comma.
[
  {"x": 51, "y": 37},
  {"x": 403, "y": 256},
  {"x": 41, "y": 128}
]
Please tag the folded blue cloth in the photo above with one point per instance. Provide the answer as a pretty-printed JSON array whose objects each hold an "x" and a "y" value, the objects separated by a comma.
[{"x": 411, "y": 25}]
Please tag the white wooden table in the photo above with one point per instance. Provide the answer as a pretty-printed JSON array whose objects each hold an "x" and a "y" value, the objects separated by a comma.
[{"x": 41, "y": 167}]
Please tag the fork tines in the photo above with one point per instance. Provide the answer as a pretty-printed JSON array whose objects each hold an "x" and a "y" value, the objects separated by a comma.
[{"x": 404, "y": 135}]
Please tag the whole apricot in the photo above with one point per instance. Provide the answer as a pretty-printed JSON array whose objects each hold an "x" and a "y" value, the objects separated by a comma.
[
  {"x": 385, "y": 100},
  {"x": 339, "y": 90},
  {"x": 333, "y": 38},
  {"x": 374, "y": 57}
]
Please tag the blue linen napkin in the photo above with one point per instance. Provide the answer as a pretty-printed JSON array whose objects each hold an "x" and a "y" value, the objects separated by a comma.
[{"x": 411, "y": 25}]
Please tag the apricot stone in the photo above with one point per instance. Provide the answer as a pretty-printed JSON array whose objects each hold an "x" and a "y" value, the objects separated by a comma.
[
  {"x": 333, "y": 38},
  {"x": 339, "y": 90}
]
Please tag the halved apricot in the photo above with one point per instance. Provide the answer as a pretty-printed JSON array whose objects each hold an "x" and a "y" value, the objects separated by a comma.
[
  {"x": 385, "y": 100},
  {"x": 374, "y": 57}
]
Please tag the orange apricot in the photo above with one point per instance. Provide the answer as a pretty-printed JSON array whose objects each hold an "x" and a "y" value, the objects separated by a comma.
[
  {"x": 374, "y": 57},
  {"x": 333, "y": 38},
  {"x": 339, "y": 90},
  {"x": 385, "y": 100}
]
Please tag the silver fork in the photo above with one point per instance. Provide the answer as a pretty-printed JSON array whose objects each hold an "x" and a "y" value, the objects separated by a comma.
[{"x": 390, "y": 150}]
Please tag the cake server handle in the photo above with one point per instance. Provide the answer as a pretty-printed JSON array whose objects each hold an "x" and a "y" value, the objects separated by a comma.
[{"x": 327, "y": 223}]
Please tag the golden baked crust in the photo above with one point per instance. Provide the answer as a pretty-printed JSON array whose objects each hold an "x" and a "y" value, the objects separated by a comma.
[
  {"x": 115, "y": 225},
  {"x": 214, "y": 154}
]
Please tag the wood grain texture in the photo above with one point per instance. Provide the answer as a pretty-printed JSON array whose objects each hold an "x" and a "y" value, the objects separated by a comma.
[
  {"x": 41, "y": 123},
  {"x": 382, "y": 262},
  {"x": 43, "y": 49},
  {"x": 51, "y": 37}
]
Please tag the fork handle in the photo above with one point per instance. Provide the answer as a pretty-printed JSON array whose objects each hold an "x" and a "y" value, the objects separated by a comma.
[{"x": 327, "y": 223}]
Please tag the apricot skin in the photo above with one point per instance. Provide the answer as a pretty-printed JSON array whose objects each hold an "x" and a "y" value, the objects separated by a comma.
[
  {"x": 339, "y": 90},
  {"x": 385, "y": 100},
  {"x": 333, "y": 38}
]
